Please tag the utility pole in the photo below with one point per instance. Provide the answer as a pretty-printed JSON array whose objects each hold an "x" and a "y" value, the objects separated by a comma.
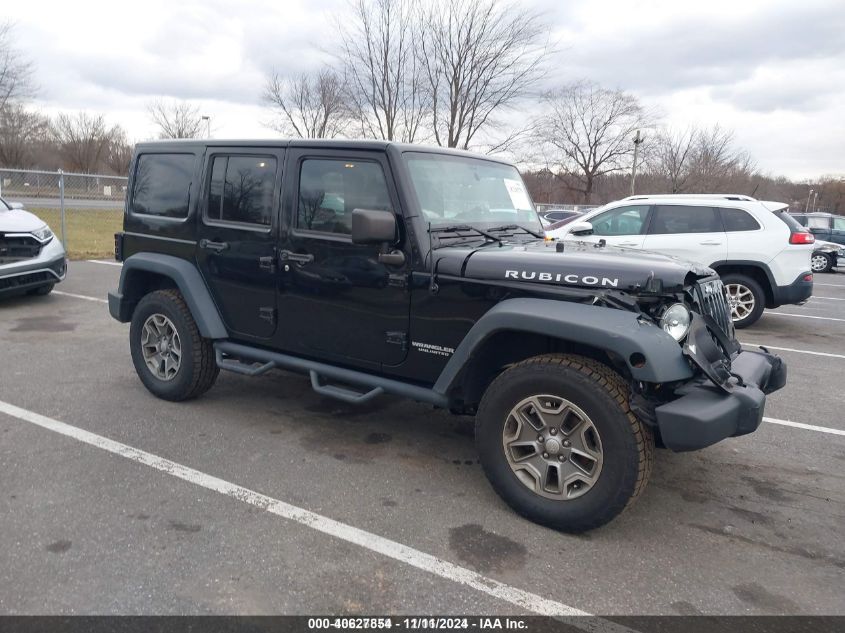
[
  {"x": 815, "y": 199},
  {"x": 638, "y": 139},
  {"x": 807, "y": 206},
  {"x": 207, "y": 120}
]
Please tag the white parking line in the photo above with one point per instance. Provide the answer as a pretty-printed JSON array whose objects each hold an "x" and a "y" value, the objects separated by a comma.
[
  {"x": 802, "y": 316},
  {"x": 86, "y": 297},
  {"x": 808, "y": 427},
  {"x": 816, "y": 283},
  {"x": 373, "y": 542},
  {"x": 100, "y": 261},
  {"x": 790, "y": 349},
  {"x": 828, "y": 298}
]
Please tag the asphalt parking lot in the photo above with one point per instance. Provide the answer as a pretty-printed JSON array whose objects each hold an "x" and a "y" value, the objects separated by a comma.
[{"x": 400, "y": 518}]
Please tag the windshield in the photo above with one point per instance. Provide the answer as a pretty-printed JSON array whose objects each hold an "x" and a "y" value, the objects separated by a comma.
[{"x": 454, "y": 190}]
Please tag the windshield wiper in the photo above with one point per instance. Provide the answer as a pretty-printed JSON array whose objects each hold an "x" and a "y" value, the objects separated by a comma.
[
  {"x": 464, "y": 227},
  {"x": 511, "y": 227}
]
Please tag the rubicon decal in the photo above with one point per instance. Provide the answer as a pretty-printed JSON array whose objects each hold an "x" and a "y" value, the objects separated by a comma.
[{"x": 578, "y": 280}]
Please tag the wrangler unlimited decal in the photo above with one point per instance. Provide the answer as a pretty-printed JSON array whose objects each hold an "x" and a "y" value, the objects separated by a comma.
[{"x": 587, "y": 280}]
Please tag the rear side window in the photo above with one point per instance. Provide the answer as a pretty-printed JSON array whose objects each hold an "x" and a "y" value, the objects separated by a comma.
[
  {"x": 162, "y": 185},
  {"x": 671, "y": 219},
  {"x": 816, "y": 222},
  {"x": 241, "y": 189},
  {"x": 738, "y": 220},
  {"x": 790, "y": 221}
]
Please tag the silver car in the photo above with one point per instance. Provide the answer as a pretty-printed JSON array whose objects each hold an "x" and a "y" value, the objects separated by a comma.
[{"x": 32, "y": 259}]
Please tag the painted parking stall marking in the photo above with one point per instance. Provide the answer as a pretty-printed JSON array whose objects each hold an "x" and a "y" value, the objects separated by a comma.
[
  {"x": 76, "y": 296},
  {"x": 373, "y": 542}
]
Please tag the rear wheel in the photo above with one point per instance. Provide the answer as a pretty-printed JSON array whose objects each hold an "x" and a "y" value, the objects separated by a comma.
[
  {"x": 821, "y": 263},
  {"x": 745, "y": 298},
  {"x": 559, "y": 444},
  {"x": 170, "y": 356}
]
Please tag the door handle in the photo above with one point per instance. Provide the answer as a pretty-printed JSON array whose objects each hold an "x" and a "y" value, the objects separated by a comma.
[
  {"x": 297, "y": 258},
  {"x": 217, "y": 247},
  {"x": 710, "y": 243}
]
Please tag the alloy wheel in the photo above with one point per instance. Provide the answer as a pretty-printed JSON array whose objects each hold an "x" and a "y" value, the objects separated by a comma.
[
  {"x": 552, "y": 447},
  {"x": 741, "y": 300},
  {"x": 161, "y": 347}
]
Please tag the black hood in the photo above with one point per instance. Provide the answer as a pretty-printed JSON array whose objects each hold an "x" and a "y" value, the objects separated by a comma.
[{"x": 580, "y": 264}]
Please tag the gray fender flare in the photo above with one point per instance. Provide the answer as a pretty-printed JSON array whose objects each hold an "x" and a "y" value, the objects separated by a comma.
[
  {"x": 607, "y": 329},
  {"x": 186, "y": 277}
]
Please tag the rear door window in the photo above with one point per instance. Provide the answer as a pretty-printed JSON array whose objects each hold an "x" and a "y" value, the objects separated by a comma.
[
  {"x": 241, "y": 189},
  {"x": 674, "y": 219},
  {"x": 738, "y": 220},
  {"x": 162, "y": 185},
  {"x": 817, "y": 222}
]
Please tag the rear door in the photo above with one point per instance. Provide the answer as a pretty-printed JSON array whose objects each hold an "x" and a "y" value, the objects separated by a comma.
[
  {"x": 236, "y": 252},
  {"x": 747, "y": 240},
  {"x": 690, "y": 232},
  {"x": 622, "y": 226}
]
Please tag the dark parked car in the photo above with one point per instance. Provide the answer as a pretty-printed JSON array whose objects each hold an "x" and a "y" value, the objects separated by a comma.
[
  {"x": 556, "y": 215},
  {"x": 825, "y": 226},
  {"x": 426, "y": 275}
]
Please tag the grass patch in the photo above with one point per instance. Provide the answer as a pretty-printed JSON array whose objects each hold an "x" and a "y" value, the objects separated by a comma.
[{"x": 90, "y": 232}]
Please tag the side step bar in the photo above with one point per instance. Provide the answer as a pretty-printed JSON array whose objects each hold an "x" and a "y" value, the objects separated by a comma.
[{"x": 251, "y": 361}]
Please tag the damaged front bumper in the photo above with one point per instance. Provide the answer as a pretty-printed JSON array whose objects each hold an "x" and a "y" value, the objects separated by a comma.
[{"x": 727, "y": 400}]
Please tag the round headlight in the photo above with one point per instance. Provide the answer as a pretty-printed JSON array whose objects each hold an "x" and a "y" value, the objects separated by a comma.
[{"x": 676, "y": 321}]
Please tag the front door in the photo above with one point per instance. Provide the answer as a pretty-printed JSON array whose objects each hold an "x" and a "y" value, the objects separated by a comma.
[
  {"x": 236, "y": 251},
  {"x": 337, "y": 300}
]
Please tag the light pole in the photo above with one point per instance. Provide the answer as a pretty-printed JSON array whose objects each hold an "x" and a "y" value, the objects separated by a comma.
[
  {"x": 807, "y": 206},
  {"x": 207, "y": 120},
  {"x": 815, "y": 199},
  {"x": 638, "y": 139}
]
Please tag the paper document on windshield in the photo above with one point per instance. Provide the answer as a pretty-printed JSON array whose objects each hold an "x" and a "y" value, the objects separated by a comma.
[{"x": 518, "y": 194}]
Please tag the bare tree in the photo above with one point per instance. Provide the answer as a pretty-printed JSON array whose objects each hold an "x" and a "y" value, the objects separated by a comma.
[
  {"x": 673, "y": 154},
  {"x": 590, "y": 130},
  {"x": 176, "y": 119},
  {"x": 478, "y": 57},
  {"x": 309, "y": 105},
  {"x": 83, "y": 140},
  {"x": 15, "y": 71},
  {"x": 718, "y": 163},
  {"x": 118, "y": 152},
  {"x": 382, "y": 68},
  {"x": 22, "y": 132}
]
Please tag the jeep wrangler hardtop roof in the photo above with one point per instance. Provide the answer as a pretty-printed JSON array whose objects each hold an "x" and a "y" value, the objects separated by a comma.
[{"x": 365, "y": 145}]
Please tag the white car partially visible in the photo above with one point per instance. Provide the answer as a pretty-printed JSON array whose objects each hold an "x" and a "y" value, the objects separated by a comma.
[
  {"x": 32, "y": 259},
  {"x": 761, "y": 252}
]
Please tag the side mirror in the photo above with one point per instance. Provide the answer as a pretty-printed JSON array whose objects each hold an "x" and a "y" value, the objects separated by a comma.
[
  {"x": 16, "y": 205},
  {"x": 581, "y": 228},
  {"x": 373, "y": 227}
]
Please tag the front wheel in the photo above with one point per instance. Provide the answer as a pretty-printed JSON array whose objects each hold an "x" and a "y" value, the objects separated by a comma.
[
  {"x": 821, "y": 263},
  {"x": 745, "y": 298},
  {"x": 170, "y": 356},
  {"x": 559, "y": 443}
]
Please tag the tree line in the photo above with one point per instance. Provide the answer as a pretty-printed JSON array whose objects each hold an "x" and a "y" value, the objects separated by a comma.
[{"x": 464, "y": 74}]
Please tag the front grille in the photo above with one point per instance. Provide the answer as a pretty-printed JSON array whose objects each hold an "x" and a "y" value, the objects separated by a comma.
[
  {"x": 713, "y": 301},
  {"x": 10, "y": 283},
  {"x": 16, "y": 246}
]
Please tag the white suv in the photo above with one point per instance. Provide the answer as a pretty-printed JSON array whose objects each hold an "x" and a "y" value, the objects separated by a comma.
[{"x": 760, "y": 251}]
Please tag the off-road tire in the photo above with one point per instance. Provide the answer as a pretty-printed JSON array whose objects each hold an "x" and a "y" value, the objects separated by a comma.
[
  {"x": 759, "y": 298},
  {"x": 198, "y": 369},
  {"x": 628, "y": 444},
  {"x": 42, "y": 290}
]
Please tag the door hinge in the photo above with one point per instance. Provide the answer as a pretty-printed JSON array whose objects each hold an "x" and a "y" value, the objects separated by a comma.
[
  {"x": 397, "y": 281},
  {"x": 268, "y": 314},
  {"x": 267, "y": 263},
  {"x": 398, "y": 338}
]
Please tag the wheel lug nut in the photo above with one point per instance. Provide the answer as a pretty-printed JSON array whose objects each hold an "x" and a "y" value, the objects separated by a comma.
[
  {"x": 540, "y": 438},
  {"x": 561, "y": 457},
  {"x": 566, "y": 442},
  {"x": 553, "y": 431},
  {"x": 546, "y": 455}
]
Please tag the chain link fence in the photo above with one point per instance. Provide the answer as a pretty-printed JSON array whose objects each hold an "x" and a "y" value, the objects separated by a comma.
[{"x": 84, "y": 209}]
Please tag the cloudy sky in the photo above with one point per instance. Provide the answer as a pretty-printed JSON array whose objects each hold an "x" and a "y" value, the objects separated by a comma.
[{"x": 773, "y": 71}]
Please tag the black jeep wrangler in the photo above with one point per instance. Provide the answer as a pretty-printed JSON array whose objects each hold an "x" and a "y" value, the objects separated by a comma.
[{"x": 376, "y": 267}]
